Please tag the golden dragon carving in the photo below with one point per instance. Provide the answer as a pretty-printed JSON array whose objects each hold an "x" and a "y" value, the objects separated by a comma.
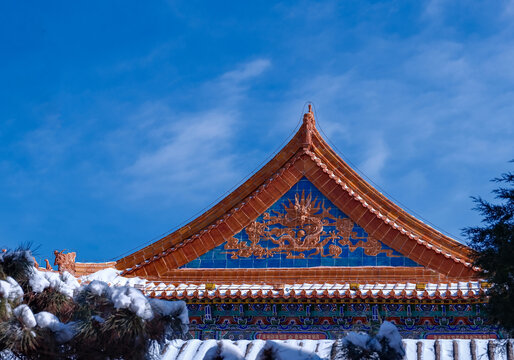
[{"x": 301, "y": 229}]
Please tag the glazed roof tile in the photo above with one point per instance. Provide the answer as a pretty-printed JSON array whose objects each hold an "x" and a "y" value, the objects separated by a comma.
[{"x": 431, "y": 291}]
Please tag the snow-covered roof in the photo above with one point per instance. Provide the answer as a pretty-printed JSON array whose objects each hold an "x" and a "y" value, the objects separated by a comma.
[
  {"x": 403, "y": 290},
  {"x": 322, "y": 349},
  {"x": 457, "y": 290}
]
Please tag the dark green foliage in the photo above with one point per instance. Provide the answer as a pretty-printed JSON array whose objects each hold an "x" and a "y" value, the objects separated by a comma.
[
  {"x": 161, "y": 326},
  {"x": 122, "y": 335},
  {"x": 387, "y": 352},
  {"x": 17, "y": 264},
  {"x": 29, "y": 344},
  {"x": 52, "y": 301},
  {"x": 125, "y": 331},
  {"x": 90, "y": 305},
  {"x": 105, "y": 332},
  {"x": 493, "y": 245},
  {"x": 19, "y": 340}
]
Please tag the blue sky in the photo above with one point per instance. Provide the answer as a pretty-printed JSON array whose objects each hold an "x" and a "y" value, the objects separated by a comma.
[{"x": 121, "y": 120}]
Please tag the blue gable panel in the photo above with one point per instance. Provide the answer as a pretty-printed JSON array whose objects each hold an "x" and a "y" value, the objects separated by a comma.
[{"x": 302, "y": 229}]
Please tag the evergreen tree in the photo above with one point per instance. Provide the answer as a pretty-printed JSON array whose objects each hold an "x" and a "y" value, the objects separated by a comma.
[
  {"x": 47, "y": 315},
  {"x": 493, "y": 245}
]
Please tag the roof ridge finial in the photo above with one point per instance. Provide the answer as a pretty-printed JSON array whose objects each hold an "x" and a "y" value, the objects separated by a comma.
[
  {"x": 309, "y": 125},
  {"x": 308, "y": 117}
]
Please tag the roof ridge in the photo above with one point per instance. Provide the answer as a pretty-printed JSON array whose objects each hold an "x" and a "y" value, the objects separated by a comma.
[{"x": 307, "y": 143}]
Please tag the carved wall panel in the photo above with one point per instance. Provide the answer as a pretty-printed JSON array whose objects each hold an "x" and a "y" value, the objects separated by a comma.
[{"x": 302, "y": 229}]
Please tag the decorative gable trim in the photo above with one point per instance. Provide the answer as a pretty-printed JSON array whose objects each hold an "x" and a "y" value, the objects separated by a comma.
[{"x": 307, "y": 154}]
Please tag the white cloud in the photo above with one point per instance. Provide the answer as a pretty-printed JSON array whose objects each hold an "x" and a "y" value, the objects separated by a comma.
[
  {"x": 434, "y": 8},
  {"x": 247, "y": 71},
  {"x": 49, "y": 144},
  {"x": 195, "y": 155},
  {"x": 377, "y": 155},
  {"x": 192, "y": 151},
  {"x": 509, "y": 8}
]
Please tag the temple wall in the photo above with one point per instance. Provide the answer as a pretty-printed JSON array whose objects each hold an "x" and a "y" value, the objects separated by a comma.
[{"x": 311, "y": 319}]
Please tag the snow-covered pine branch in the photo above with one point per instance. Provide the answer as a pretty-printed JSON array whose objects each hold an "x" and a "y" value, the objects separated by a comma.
[{"x": 45, "y": 313}]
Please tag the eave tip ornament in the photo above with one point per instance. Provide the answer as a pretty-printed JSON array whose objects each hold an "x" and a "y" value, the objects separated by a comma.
[{"x": 309, "y": 124}]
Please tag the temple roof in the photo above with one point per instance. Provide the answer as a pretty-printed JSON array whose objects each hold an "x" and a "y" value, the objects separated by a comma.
[
  {"x": 306, "y": 156},
  {"x": 471, "y": 290}
]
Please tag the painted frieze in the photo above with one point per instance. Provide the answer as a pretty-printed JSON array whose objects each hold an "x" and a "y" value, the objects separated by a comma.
[{"x": 332, "y": 320}]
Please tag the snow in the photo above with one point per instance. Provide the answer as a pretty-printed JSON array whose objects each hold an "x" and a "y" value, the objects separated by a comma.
[
  {"x": 446, "y": 349},
  {"x": 208, "y": 350},
  {"x": 164, "y": 308},
  {"x": 38, "y": 281},
  {"x": 255, "y": 349},
  {"x": 112, "y": 276},
  {"x": 357, "y": 339},
  {"x": 309, "y": 345},
  {"x": 25, "y": 316},
  {"x": 172, "y": 349},
  {"x": 246, "y": 349},
  {"x": 63, "y": 332},
  {"x": 482, "y": 349},
  {"x": 98, "y": 288},
  {"x": 464, "y": 349},
  {"x": 188, "y": 351},
  {"x": 108, "y": 275},
  {"x": 64, "y": 283},
  {"x": 317, "y": 349},
  {"x": 411, "y": 349},
  {"x": 18, "y": 255},
  {"x": 253, "y": 289},
  {"x": 124, "y": 297},
  {"x": 500, "y": 352},
  {"x": 47, "y": 320},
  {"x": 128, "y": 297},
  {"x": 16, "y": 291},
  {"x": 463, "y": 345},
  {"x": 390, "y": 332},
  {"x": 324, "y": 348},
  {"x": 98, "y": 318},
  {"x": 10, "y": 289},
  {"x": 110, "y": 284},
  {"x": 5, "y": 289},
  {"x": 230, "y": 351},
  {"x": 288, "y": 350},
  {"x": 428, "y": 350},
  {"x": 243, "y": 345}
]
